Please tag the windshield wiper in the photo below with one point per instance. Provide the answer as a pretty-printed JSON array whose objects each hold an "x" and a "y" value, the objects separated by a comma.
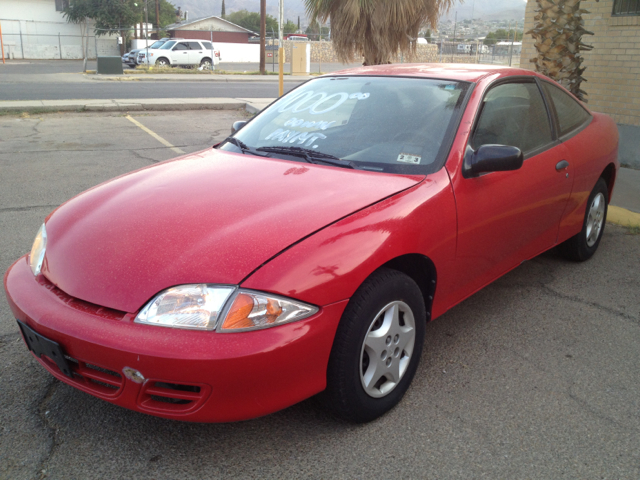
[
  {"x": 311, "y": 156},
  {"x": 242, "y": 146}
]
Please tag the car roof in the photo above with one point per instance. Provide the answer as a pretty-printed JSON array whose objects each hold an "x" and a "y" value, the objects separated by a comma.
[{"x": 448, "y": 71}]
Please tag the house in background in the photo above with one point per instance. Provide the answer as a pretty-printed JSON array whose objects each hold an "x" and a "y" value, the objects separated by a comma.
[
  {"x": 36, "y": 29},
  {"x": 612, "y": 67},
  {"x": 211, "y": 28}
]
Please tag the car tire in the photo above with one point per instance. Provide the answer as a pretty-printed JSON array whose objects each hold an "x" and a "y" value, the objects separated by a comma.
[
  {"x": 582, "y": 246},
  {"x": 206, "y": 64},
  {"x": 377, "y": 347},
  {"x": 163, "y": 62}
]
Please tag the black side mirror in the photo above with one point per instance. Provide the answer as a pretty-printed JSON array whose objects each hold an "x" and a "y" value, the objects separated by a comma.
[
  {"x": 491, "y": 158},
  {"x": 237, "y": 126}
]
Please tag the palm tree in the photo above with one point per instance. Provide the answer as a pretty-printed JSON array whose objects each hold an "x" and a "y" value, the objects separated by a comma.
[
  {"x": 558, "y": 39},
  {"x": 376, "y": 29}
]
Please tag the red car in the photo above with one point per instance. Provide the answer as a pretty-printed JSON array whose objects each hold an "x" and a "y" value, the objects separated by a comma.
[{"x": 305, "y": 253}]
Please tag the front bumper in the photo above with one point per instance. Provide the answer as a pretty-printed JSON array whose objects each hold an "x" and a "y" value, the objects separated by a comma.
[{"x": 188, "y": 375}]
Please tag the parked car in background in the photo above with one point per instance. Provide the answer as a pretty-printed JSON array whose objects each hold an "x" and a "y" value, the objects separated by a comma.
[
  {"x": 182, "y": 52},
  {"x": 139, "y": 60}
]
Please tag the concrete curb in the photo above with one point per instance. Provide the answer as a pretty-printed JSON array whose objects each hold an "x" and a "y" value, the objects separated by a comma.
[
  {"x": 164, "y": 77},
  {"x": 130, "y": 105},
  {"x": 622, "y": 216}
]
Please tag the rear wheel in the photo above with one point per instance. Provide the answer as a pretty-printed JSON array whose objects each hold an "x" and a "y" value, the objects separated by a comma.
[
  {"x": 582, "y": 246},
  {"x": 377, "y": 347},
  {"x": 206, "y": 64}
]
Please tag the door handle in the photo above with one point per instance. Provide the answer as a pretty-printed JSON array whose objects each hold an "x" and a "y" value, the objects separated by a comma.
[{"x": 561, "y": 165}]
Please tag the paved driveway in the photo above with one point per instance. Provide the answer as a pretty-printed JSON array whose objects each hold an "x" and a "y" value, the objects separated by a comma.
[{"x": 536, "y": 376}]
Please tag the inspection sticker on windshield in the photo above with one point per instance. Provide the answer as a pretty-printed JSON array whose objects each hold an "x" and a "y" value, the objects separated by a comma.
[{"x": 406, "y": 158}]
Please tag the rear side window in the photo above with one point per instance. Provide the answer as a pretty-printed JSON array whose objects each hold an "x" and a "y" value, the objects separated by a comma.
[
  {"x": 207, "y": 45},
  {"x": 195, "y": 46},
  {"x": 570, "y": 113},
  {"x": 513, "y": 114}
]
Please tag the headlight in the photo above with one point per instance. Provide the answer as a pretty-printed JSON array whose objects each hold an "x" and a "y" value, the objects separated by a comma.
[
  {"x": 199, "y": 307},
  {"x": 194, "y": 307},
  {"x": 36, "y": 257},
  {"x": 253, "y": 310}
]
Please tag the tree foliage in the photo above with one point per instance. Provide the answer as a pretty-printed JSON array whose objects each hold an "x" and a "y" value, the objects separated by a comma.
[
  {"x": 251, "y": 20},
  {"x": 107, "y": 14},
  {"x": 376, "y": 29},
  {"x": 314, "y": 30},
  {"x": 502, "y": 35}
]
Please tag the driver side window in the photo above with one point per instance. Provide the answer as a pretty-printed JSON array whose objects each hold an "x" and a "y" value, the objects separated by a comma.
[{"x": 513, "y": 114}]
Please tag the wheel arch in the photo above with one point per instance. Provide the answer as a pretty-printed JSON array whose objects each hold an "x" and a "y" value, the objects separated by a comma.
[
  {"x": 163, "y": 58},
  {"x": 422, "y": 270},
  {"x": 609, "y": 175}
]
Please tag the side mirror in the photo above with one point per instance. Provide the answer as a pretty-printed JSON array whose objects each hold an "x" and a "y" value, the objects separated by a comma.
[
  {"x": 237, "y": 126},
  {"x": 491, "y": 158}
]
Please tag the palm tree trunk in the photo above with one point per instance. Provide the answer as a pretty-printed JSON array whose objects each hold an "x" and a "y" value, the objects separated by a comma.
[{"x": 558, "y": 39}]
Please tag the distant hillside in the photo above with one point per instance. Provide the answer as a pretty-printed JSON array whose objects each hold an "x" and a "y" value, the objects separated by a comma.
[{"x": 482, "y": 9}]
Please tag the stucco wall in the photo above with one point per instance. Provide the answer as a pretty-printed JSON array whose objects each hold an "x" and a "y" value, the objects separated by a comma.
[
  {"x": 322, "y": 52},
  {"x": 32, "y": 29}
]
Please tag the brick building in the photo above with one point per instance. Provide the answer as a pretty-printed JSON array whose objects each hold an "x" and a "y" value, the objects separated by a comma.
[
  {"x": 211, "y": 28},
  {"x": 613, "y": 66}
]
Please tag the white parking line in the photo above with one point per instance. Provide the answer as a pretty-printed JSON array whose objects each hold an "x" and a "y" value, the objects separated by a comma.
[{"x": 155, "y": 135}]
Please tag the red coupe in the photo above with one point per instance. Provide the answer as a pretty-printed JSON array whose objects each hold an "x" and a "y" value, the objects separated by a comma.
[{"x": 305, "y": 253}]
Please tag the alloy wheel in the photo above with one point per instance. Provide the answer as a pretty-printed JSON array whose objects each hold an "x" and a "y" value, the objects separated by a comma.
[
  {"x": 595, "y": 219},
  {"x": 387, "y": 349}
]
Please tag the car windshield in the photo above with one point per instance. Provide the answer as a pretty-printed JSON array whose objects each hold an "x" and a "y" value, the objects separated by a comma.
[
  {"x": 389, "y": 124},
  {"x": 157, "y": 44},
  {"x": 167, "y": 45}
]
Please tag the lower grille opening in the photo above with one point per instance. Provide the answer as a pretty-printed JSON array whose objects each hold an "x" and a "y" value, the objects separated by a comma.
[
  {"x": 103, "y": 370},
  {"x": 99, "y": 380},
  {"x": 162, "y": 396},
  {"x": 175, "y": 401},
  {"x": 177, "y": 386},
  {"x": 102, "y": 384}
]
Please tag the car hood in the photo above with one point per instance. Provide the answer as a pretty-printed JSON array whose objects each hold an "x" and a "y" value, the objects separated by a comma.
[{"x": 210, "y": 217}]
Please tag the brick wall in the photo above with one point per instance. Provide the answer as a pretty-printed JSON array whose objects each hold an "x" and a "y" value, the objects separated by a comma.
[
  {"x": 613, "y": 66},
  {"x": 221, "y": 37}
]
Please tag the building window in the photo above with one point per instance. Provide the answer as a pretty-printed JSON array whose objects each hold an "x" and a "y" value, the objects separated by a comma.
[
  {"x": 626, "y": 7},
  {"x": 61, "y": 5}
]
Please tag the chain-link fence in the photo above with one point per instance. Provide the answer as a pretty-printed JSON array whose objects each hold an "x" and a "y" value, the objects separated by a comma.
[
  {"x": 55, "y": 41},
  {"x": 498, "y": 52}
]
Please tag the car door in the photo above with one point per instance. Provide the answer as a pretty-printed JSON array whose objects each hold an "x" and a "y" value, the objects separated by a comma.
[
  {"x": 196, "y": 53},
  {"x": 507, "y": 217},
  {"x": 180, "y": 54}
]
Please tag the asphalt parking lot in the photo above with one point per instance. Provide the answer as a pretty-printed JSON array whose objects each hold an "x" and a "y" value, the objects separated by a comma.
[{"x": 536, "y": 376}]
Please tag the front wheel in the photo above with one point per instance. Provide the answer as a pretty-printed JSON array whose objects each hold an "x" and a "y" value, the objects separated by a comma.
[
  {"x": 163, "y": 62},
  {"x": 377, "y": 347},
  {"x": 582, "y": 246}
]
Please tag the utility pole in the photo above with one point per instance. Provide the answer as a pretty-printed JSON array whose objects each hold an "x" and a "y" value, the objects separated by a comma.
[
  {"x": 455, "y": 24},
  {"x": 2, "y": 43},
  {"x": 281, "y": 51},
  {"x": 158, "y": 18},
  {"x": 263, "y": 34}
]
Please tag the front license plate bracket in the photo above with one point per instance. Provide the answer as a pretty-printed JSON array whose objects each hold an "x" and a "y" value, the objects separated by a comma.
[{"x": 41, "y": 345}]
